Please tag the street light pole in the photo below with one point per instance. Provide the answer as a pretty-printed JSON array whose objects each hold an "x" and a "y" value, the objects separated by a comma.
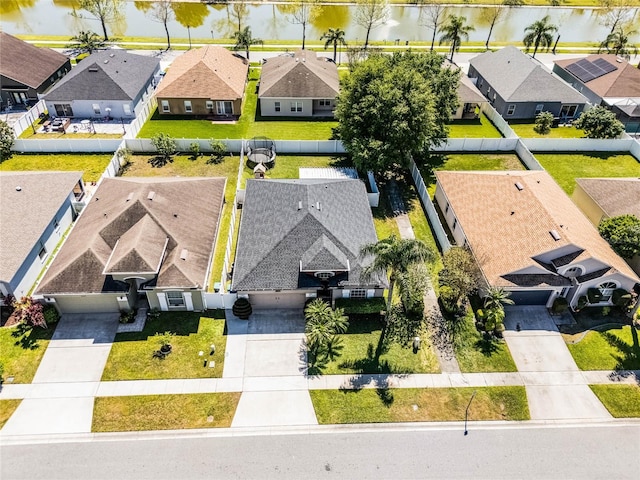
[{"x": 466, "y": 412}]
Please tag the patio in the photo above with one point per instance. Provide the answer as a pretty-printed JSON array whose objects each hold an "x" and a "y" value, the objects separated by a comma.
[{"x": 83, "y": 126}]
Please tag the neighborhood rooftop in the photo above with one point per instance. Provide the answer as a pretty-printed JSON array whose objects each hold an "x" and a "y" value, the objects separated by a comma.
[{"x": 615, "y": 196}]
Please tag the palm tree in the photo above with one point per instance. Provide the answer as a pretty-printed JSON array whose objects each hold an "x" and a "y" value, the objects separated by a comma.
[
  {"x": 333, "y": 36},
  {"x": 539, "y": 34},
  {"x": 86, "y": 42},
  {"x": 244, "y": 40},
  {"x": 618, "y": 43},
  {"x": 323, "y": 324},
  {"x": 496, "y": 298},
  {"x": 454, "y": 31}
]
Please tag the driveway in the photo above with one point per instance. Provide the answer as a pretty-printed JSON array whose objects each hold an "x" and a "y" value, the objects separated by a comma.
[{"x": 538, "y": 347}]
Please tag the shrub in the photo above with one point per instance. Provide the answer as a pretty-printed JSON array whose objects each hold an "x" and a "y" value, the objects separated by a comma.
[
  {"x": 560, "y": 305},
  {"x": 51, "y": 315},
  {"x": 544, "y": 121},
  {"x": 164, "y": 339},
  {"x": 218, "y": 151},
  {"x": 448, "y": 298},
  {"x": 153, "y": 314},
  {"x": 594, "y": 295},
  {"x": 621, "y": 298},
  {"x": 194, "y": 148},
  {"x": 1, "y": 373},
  {"x": 242, "y": 308},
  {"x": 583, "y": 301},
  {"x": 164, "y": 145},
  {"x": 499, "y": 330},
  {"x": 127, "y": 316},
  {"x": 7, "y": 138}
]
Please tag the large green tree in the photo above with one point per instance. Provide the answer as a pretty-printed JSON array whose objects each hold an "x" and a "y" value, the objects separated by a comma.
[
  {"x": 460, "y": 274},
  {"x": 453, "y": 31},
  {"x": 393, "y": 106},
  {"x": 105, "y": 11},
  {"x": 539, "y": 34},
  {"x": 623, "y": 234},
  {"x": 599, "y": 122},
  {"x": 244, "y": 40},
  {"x": 7, "y": 137}
]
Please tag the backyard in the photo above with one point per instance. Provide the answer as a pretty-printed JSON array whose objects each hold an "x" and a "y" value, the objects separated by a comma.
[
  {"x": 479, "y": 128},
  {"x": 525, "y": 130},
  {"x": 21, "y": 351},
  {"x": 287, "y": 166},
  {"x": 565, "y": 168},
  {"x": 93, "y": 165},
  {"x": 132, "y": 354}
]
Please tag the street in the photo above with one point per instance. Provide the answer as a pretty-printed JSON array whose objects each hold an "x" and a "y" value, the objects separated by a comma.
[{"x": 393, "y": 451}]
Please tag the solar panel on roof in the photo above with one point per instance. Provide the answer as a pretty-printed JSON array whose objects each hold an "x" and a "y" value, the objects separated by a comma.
[
  {"x": 605, "y": 65},
  {"x": 578, "y": 70},
  {"x": 586, "y": 71}
]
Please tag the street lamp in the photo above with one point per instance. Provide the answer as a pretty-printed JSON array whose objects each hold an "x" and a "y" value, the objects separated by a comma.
[{"x": 466, "y": 412}]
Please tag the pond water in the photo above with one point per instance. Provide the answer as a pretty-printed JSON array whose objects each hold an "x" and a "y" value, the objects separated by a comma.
[{"x": 270, "y": 21}]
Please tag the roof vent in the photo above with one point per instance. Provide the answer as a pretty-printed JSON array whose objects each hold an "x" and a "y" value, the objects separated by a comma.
[
  {"x": 519, "y": 186},
  {"x": 300, "y": 205},
  {"x": 106, "y": 61},
  {"x": 555, "y": 235},
  {"x": 175, "y": 215},
  {"x": 318, "y": 206},
  {"x": 130, "y": 197},
  {"x": 18, "y": 188},
  {"x": 151, "y": 195},
  {"x": 93, "y": 69},
  {"x": 112, "y": 55},
  {"x": 183, "y": 254}
]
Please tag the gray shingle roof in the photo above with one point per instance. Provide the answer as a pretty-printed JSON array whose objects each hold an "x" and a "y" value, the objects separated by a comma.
[
  {"x": 26, "y": 213},
  {"x": 516, "y": 77},
  {"x": 615, "y": 196},
  {"x": 275, "y": 235},
  {"x": 106, "y": 75}
]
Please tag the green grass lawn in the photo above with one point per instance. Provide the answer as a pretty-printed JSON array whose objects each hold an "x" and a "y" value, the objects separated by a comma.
[
  {"x": 360, "y": 342},
  {"x": 476, "y": 354},
  {"x": 287, "y": 166},
  {"x": 480, "y": 128},
  {"x": 616, "y": 348},
  {"x": 383, "y": 219},
  {"x": 525, "y": 130},
  {"x": 21, "y": 352},
  {"x": 622, "y": 401},
  {"x": 164, "y": 412},
  {"x": 7, "y": 407},
  {"x": 131, "y": 356},
  {"x": 565, "y": 168},
  {"x": 93, "y": 165},
  {"x": 419, "y": 405}
]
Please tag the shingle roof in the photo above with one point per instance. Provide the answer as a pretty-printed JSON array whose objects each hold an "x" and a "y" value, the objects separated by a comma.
[
  {"x": 130, "y": 224},
  {"x": 210, "y": 72},
  {"x": 467, "y": 90},
  {"x": 615, "y": 196},
  {"x": 106, "y": 75},
  {"x": 509, "y": 227},
  {"x": 26, "y": 213},
  {"x": 275, "y": 235},
  {"x": 24, "y": 63},
  {"x": 303, "y": 75},
  {"x": 516, "y": 77},
  {"x": 623, "y": 82}
]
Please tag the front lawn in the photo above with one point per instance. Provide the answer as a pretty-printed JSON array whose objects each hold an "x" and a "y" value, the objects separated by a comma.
[
  {"x": 419, "y": 405},
  {"x": 131, "y": 356},
  {"x": 21, "y": 351},
  {"x": 7, "y": 407},
  {"x": 164, "y": 412},
  {"x": 565, "y": 168},
  {"x": 525, "y": 130},
  {"x": 622, "y": 401},
  {"x": 359, "y": 345},
  {"x": 93, "y": 165},
  {"x": 479, "y": 128},
  {"x": 611, "y": 348}
]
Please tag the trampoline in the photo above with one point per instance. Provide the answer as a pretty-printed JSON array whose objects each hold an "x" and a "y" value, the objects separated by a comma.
[{"x": 260, "y": 150}]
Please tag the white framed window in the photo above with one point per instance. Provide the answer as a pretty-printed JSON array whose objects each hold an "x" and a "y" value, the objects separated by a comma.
[
  {"x": 325, "y": 102},
  {"x": 296, "y": 106},
  {"x": 359, "y": 293},
  {"x": 209, "y": 105},
  {"x": 96, "y": 108},
  {"x": 539, "y": 108},
  {"x": 175, "y": 299},
  {"x": 573, "y": 272},
  {"x": 276, "y": 106},
  {"x": 488, "y": 90},
  {"x": 494, "y": 97},
  {"x": 187, "y": 106},
  {"x": 455, "y": 224},
  {"x": 606, "y": 289},
  {"x": 56, "y": 224},
  {"x": 568, "y": 111},
  {"x": 511, "y": 109},
  {"x": 224, "y": 108},
  {"x": 165, "y": 106},
  {"x": 42, "y": 253},
  {"x": 446, "y": 210},
  {"x": 127, "y": 109}
]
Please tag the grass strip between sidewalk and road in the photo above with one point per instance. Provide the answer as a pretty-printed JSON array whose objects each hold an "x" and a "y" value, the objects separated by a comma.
[
  {"x": 622, "y": 401},
  {"x": 7, "y": 407},
  {"x": 164, "y": 412},
  {"x": 419, "y": 405}
]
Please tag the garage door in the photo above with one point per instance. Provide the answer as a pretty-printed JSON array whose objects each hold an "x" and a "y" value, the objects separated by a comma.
[
  {"x": 88, "y": 304},
  {"x": 277, "y": 300},
  {"x": 531, "y": 297}
]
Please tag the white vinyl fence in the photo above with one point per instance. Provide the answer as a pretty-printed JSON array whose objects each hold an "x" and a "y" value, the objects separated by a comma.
[
  {"x": 500, "y": 123},
  {"x": 219, "y": 300},
  {"x": 135, "y": 126},
  {"x": 581, "y": 145},
  {"x": 144, "y": 145},
  {"x": 29, "y": 117},
  {"x": 478, "y": 145}
]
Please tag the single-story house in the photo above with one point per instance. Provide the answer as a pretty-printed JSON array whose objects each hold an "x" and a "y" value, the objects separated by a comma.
[
  {"x": 109, "y": 83},
  {"x": 529, "y": 238},
  {"x": 519, "y": 87},
  {"x": 37, "y": 209},
  {"x": 602, "y": 198},
  {"x": 204, "y": 81},
  {"x": 606, "y": 80},
  {"x": 299, "y": 85},
  {"x": 26, "y": 70},
  {"x": 139, "y": 239},
  {"x": 301, "y": 239}
]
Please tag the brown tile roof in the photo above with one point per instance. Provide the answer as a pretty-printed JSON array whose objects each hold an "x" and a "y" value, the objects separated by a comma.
[
  {"x": 622, "y": 82},
  {"x": 26, "y": 213},
  {"x": 210, "y": 72},
  {"x": 615, "y": 196},
  {"x": 303, "y": 75},
  {"x": 24, "y": 63},
  {"x": 133, "y": 223},
  {"x": 507, "y": 227}
]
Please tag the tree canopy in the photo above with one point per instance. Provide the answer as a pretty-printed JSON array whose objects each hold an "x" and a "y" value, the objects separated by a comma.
[
  {"x": 7, "y": 137},
  {"x": 394, "y": 106},
  {"x": 539, "y": 34},
  {"x": 599, "y": 122},
  {"x": 623, "y": 234}
]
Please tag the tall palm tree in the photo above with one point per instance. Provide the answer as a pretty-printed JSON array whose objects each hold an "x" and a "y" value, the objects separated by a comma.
[
  {"x": 86, "y": 42},
  {"x": 496, "y": 298},
  {"x": 618, "y": 43},
  {"x": 323, "y": 324},
  {"x": 539, "y": 34},
  {"x": 454, "y": 31},
  {"x": 333, "y": 36},
  {"x": 244, "y": 40}
]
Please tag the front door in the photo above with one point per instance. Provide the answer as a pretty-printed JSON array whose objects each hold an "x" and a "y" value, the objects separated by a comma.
[
  {"x": 63, "y": 110},
  {"x": 19, "y": 98},
  {"x": 224, "y": 108}
]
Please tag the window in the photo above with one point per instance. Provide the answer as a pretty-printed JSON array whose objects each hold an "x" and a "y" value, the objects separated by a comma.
[
  {"x": 446, "y": 210},
  {"x": 209, "y": 106},
  {"x": 175, "y": 299},
  {"x": 165, "y": 106},
  {"x": 224, "y": 108},
  {"x": 573, "y": 272},
  {"x": 455, "y": 224},
  {"x": 42, "y": 253},
  {"x": 324, "y": 275},
  {"x": 63, "y": 110},
  {"x": 187, "y": 106},
  {"x": 606, "y": 289},
  {"x": 358, "y": 293},
  {"x": 539, "y": 108},
  {"x": 56, "y": 224},
  {"x": 494, "y": 97},
  {"x": 96, "y": 109},
  {"x": 325, "y": 102},
  {"x": 127, "y": 109},
  {"x": 568, "y": 111},
  {"x": 276, "y": 106},
  {"x": 511, "y": 109},
  {"x": 296, "y": 106},
  {"x": 489, "y": 91}
]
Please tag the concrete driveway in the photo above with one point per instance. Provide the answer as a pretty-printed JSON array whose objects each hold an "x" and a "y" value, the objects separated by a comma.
[{"x": 538, "y": 347}]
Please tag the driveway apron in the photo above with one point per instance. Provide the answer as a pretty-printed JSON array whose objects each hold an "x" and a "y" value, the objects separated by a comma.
[{"x": 537, "y": 347}]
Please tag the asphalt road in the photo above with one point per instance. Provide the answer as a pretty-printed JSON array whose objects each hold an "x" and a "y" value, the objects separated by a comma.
[{"x": 540, "y": 452}]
